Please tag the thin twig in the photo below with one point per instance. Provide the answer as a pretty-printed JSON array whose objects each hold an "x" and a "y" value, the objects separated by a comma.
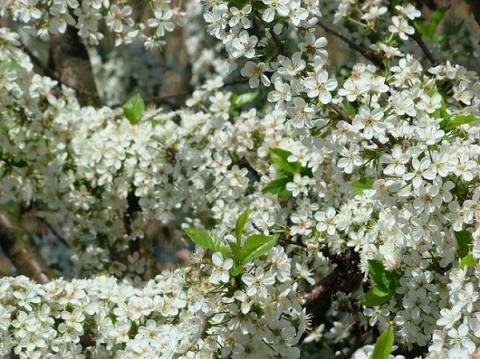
[
  {"x": 361, "y": 50},
  {"x": 295, "y": 243},
  {"x": 44, "y": 70},
  {"x": 418, "y": 39}
]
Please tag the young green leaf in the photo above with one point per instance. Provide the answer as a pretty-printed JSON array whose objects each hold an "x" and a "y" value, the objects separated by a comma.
[
  {"x": 361, "y": 185},
  {"x": 376, "y": 296},
  {"x": 429, "y": 30},
  {"x": 245, "y": 98},
  {"x": 240, "y": 224},
  {"x": 384, "y": 344},
  {"x": 133, "y": 109},
  {"x": 236, "y": 269},
  {"x": 208, "y": 240},
  {"x": 11, "y": 64},
  {"x": 459, "y": 120},
  {"x": 385, "y": 280},
  {"x": 278, "y": 186},
  {"x": 464, "y": 239},
  {"x": 468, "y": 261},
  {"x": 235, "y": 249},
  {"x": 255, "y": 246},
  {"x": 450, "y": 32},
  {"x": 280, "y": 158}
]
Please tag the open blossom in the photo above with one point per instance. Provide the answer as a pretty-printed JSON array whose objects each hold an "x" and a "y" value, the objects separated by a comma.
[
  {"x": 240, "y": 17},
  {"x": 117, "y": 17},
  {"x": 274, "y": 6},
  {"x": 319, "y": 85},
  {"x": 244, "y": 45},
  {"x": 162, "y": 21},
  {"x": 299, "y": 184},
  {"x": 350, "y": 158},
  {"x": 255, "y": 72},
  {"x": 221, "y": 270},
  {"x": 401, "y": 27},
  {"x": 258, "y": 284},
  {"x": 281, "y": 94},
  {"x": 326, "y": 221}
]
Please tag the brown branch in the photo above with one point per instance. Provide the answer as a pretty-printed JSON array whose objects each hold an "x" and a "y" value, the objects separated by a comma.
[
  {"x": 20, "y": 249},
  {"x": 369, "y": 55},
  {"x": 418, "y": 39},
  {"x": 70, "y": 61},
  {"x": 346, "y": 277},
  {"x": 36, "y": 61},
  {"x": 475, "y": 6}
]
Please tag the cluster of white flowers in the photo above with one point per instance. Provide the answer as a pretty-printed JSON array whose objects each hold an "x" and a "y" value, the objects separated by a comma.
[
  {"x": 382, "y": 158},
  {"x": 187, "y": 313},
  {"x": 47, "y": 17}
]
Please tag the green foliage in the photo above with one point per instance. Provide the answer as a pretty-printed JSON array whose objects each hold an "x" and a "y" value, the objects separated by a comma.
[
  {"x": 376, "y": 296},
  {"x": 240, "y": 224},
  {"x": 458, "y": 120},
  {"x": 245, "y": 98},
  {"x": 468, "y": 261},
  {"x": 254, "y": 246},
  {"x": 278, "y": 186},
  {"x": 288, "y": 169},
  {"x": 208, "y": 240},
  {"x": 10, "y": 64},
  {"x": 444, "y": 36},
  {"x": 361, "y": 185},
  {"x": 428, "y": 30},
  {"x": 384, "y": 344},
  {"x": 386, "y": 283},
  {"x": 134, "y": 108},
  {"x": 280, "y": 158},
  {"x": 464, "y": 240}
]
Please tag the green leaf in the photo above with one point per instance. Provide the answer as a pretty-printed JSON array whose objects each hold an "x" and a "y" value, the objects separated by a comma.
[
  {"x": 19, "y": 164},
  {"x": 133, "y": 109},
  {"x": 383, "y": 346},
  {"x": 259, "y": 5},
  {"x": 429, "y": 30},
  {"x": 459, "y": 120},
  {"x": 450, "y": 32},
  {"x": 255, "y": 246},
  {"x": 420, "y": 27},
  {"x": 442, "y": 111},
  {"x": 435, "y": 19},
  {"x": 278, "y": 186},
  {"x": 376, "y": 296},
  {"x": 208, "y": 240},
  {"x": 464, "y": 239},
  {"x": 361, "y": 185},
  {"x": 235, "y": 248},
  {"x": 11, "y": 65},
  {"x": 385, "y": 280},
  {"x": 245, "y": 98},
  {"x": 468, "y": 261},
  {"x": 240, "y": 224},
  {"x": 280, "y": 158},
  {"x": 236, "y": 269}
]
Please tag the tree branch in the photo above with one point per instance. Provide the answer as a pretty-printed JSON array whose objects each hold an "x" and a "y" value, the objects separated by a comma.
[
  {"x": 70, "y": 61},
  {"x": 475, "y": 6},
  {"x": 21, "y": 250},
  {"x": 346, "y": 277},
  {"x": 418, "y": 39},
  {"x": 369, "y": 55}
]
